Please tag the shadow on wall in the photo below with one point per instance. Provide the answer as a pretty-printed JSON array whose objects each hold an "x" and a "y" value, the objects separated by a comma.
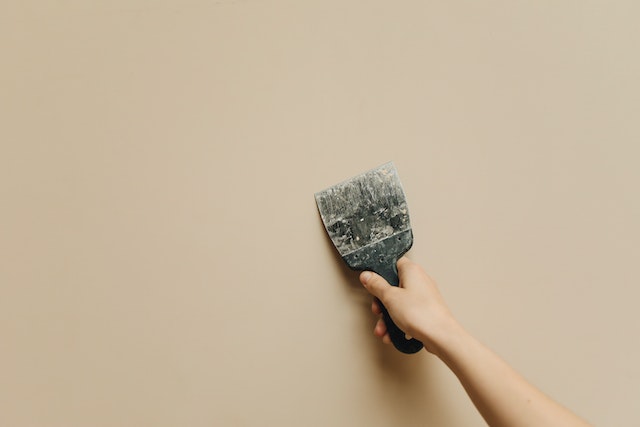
[{"x": 407, "y": 392}]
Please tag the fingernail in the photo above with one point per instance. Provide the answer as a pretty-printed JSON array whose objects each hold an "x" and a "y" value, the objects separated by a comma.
[{"x": 366, "y": 276}]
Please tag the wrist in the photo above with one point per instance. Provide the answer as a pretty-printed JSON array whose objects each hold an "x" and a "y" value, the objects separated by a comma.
[{"x": 441, "y": 338}]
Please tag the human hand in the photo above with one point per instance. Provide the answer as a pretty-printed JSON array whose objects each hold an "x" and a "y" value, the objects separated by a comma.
[
  {"x": 503, "y": 397},
  {"x": 416, "y": 306}
]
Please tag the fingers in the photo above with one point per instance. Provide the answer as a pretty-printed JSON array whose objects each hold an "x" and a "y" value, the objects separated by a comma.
[
  {"x": 380, "y": 331},
  {"x": 404, "y": 270},
  {"x": 409, "y": 273},
  {"x": 382, "y": 290},
  {"x": 376, "y": 285},
  {"x": 375, "y": 307},
  {"x": 403, "y": 262}
]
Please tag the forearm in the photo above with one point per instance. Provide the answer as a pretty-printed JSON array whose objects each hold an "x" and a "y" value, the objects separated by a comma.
[{"x": 501, "y": 395}]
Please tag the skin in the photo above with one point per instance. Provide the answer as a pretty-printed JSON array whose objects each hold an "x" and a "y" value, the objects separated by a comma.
[{"x": 502, "y": 396}]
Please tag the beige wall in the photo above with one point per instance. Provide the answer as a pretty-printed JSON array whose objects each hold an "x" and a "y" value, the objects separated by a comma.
[{"x": 162, "y": 259}]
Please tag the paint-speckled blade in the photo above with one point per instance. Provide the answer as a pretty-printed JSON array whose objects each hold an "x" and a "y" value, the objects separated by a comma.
[{"x": 365, "y": 209}]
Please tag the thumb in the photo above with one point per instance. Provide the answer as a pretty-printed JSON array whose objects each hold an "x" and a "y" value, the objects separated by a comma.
[{"x": 376, "y": 285}]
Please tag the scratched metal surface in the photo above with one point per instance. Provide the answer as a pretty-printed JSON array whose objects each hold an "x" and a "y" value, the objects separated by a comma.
[{"x": 364, "y": 209}]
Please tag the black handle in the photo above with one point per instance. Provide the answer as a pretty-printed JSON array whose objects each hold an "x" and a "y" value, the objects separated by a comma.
[
  {"x": 408, "y": 346},
  {"x": 381, "y": 257}
]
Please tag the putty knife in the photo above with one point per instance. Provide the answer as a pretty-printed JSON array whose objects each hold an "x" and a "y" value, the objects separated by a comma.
[{"x": 367, "y": 220}]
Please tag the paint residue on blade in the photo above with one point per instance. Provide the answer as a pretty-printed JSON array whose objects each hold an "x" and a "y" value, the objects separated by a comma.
[{"x": 365, "y": 209}]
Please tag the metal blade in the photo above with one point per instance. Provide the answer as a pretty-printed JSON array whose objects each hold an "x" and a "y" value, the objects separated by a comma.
[{"x": 365, "y": 209}]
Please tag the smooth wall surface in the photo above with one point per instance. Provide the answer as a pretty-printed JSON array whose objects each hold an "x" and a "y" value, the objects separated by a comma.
[{"x": 162, "y": 262}]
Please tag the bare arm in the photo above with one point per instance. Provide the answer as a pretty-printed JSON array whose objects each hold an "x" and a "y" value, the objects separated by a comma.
[{"x": 501, "y": 395}]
